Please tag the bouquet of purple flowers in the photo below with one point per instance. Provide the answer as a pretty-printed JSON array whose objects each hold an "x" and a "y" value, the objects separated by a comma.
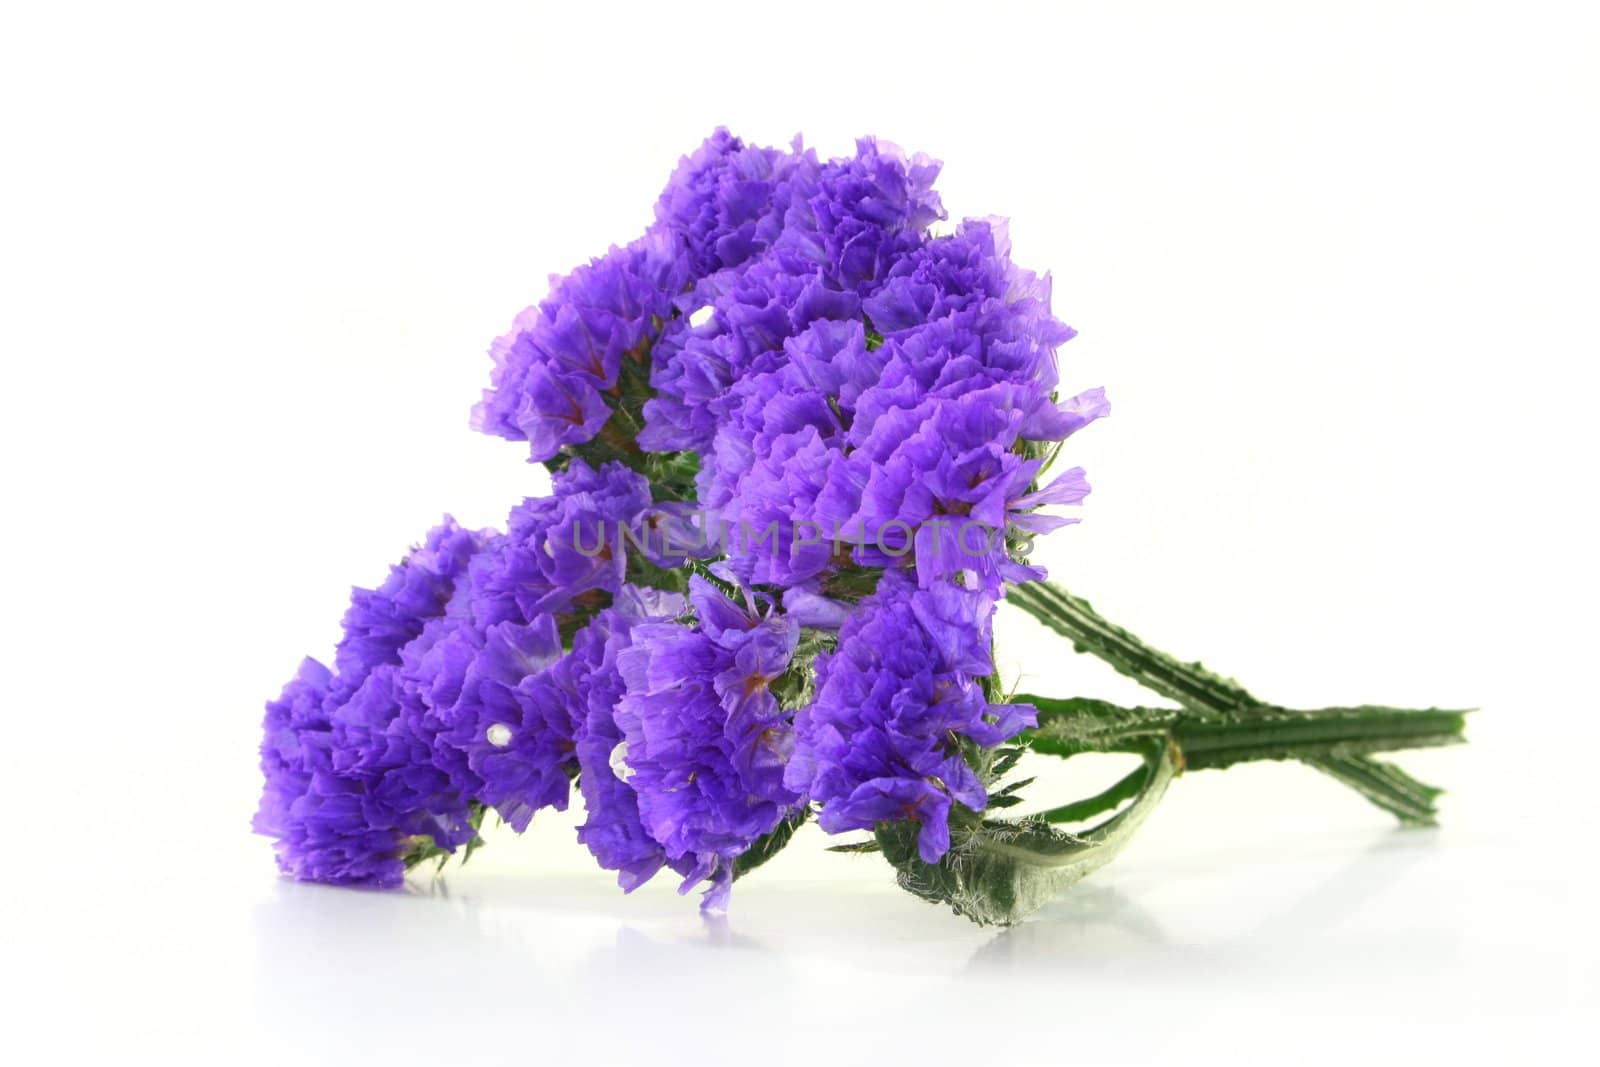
[{"x": 801, "y": 444}]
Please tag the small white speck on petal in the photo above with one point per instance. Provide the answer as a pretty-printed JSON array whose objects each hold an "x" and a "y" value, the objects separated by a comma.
[
  {"x": 619, "y": 761},
  {"x": 698, "y": 317},
  {"x": 499, "y": 735}
]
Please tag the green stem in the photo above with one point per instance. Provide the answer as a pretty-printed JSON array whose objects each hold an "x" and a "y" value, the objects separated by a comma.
[
  {"x": 1385, "y": 785},
  {"x": 1189, "y": 684},
  {"x": 1212, "y": 740},
  {"x": 1277, "y": 734},
  {"x": 1336, "y": 741}
]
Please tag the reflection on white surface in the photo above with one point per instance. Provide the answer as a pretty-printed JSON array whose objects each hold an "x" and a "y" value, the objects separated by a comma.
[{"x": 1221, "y": 933}]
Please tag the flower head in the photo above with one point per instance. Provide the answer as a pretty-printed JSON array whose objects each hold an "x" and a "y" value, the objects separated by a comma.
[
  {"x": 382, "y": 621},
  {"x": 552, "y": 369},
  {"x": 882, "y": 741},
  {"x": 725, "y": 202},
  {"x": 613, "y": 830},
  {"x": 706, "y": 742},
  {"x": 562, "y": 549},
  {"x": 479, "y": 695}
]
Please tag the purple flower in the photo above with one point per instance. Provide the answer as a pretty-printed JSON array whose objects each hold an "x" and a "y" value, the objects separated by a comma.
[
  {"x": 773, "y": 299},
  {"x": 561, "y": 551},
  {"x": 878, "y": 742},
  {"x": 316, "y": 816},
  {"x": 812, "y": 439},
  {"x": 843, "y": 225},
  {"x": 481, "y": 698},
  {"x": 381, "y": 621},
  {"x": 379, "y": 747},
  {"x": 864, "y": 214},
  {"x": 776, "y": 450},
  {"x": 551, "y": 369},
  {"x": 671, "y": 533},
  {"x": 944, "y": 480},
  {"x": 348, "y": 783},
  {"x": 705, "y": 740},
  {"x": 726, "y": 201},
  {"x": 612, "y": 830},
  {"x": 490, "y": 687},
  {"x": 349, "y": 778}
]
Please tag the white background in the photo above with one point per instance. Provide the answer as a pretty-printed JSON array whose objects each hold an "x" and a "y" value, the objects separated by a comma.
[{"x": 1335, "y": 263}]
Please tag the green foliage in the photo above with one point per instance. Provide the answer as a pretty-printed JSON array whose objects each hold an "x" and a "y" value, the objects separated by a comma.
[
  {"x": 796, "y": 687},
  {"x": 769, "y": 844}
]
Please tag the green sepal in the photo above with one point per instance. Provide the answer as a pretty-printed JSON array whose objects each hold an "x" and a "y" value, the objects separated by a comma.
[
  {"x": 1005, "y": 758},
  {"x": 796, "y": 687},
  {"x": 1020, "y": 783}
]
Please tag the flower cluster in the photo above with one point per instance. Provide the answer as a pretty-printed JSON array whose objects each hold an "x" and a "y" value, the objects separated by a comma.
[
  {"x": 703, "y": 738},
  {"x": 552, "y": 368},
  {"x": 875, "y": 746},
  {"x": 877, "y": 403},
  {"x": 348, "y": 778}
]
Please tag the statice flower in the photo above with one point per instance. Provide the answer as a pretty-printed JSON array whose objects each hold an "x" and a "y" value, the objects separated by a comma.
[
  {"x": 705, "y": 742},
  {"x": 881, "y": 742},
  {"x": 725, "y": 203},
  {"x": 316, "y": 816},
  {"x": 944, "y": 480},
  {"x": 929, "y": 442},
  {"x": 562, "y": 551},
  {"x": 380, "y": 748},
  {"x": 745, "y": 326},
  {"x": 842, "y": 225},
  {"x": 487, "y": 683},
  {"x": 772, "y": 474},
  {"x": 349, "y": 781},
  {"x": 958, "y": 316},
  {"x": 480, "y": 696},
  {"x": 380, "y": 622},
  {"x": 613, "y": 830},
  {"x": 552, "y": 369},
  {"x": 864, "y": 213}
]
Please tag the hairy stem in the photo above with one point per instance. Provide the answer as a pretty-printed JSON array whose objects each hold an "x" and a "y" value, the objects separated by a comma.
[
  {"x": 1336, "y": 741},
  {"x": 1210, "y": 739}
]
